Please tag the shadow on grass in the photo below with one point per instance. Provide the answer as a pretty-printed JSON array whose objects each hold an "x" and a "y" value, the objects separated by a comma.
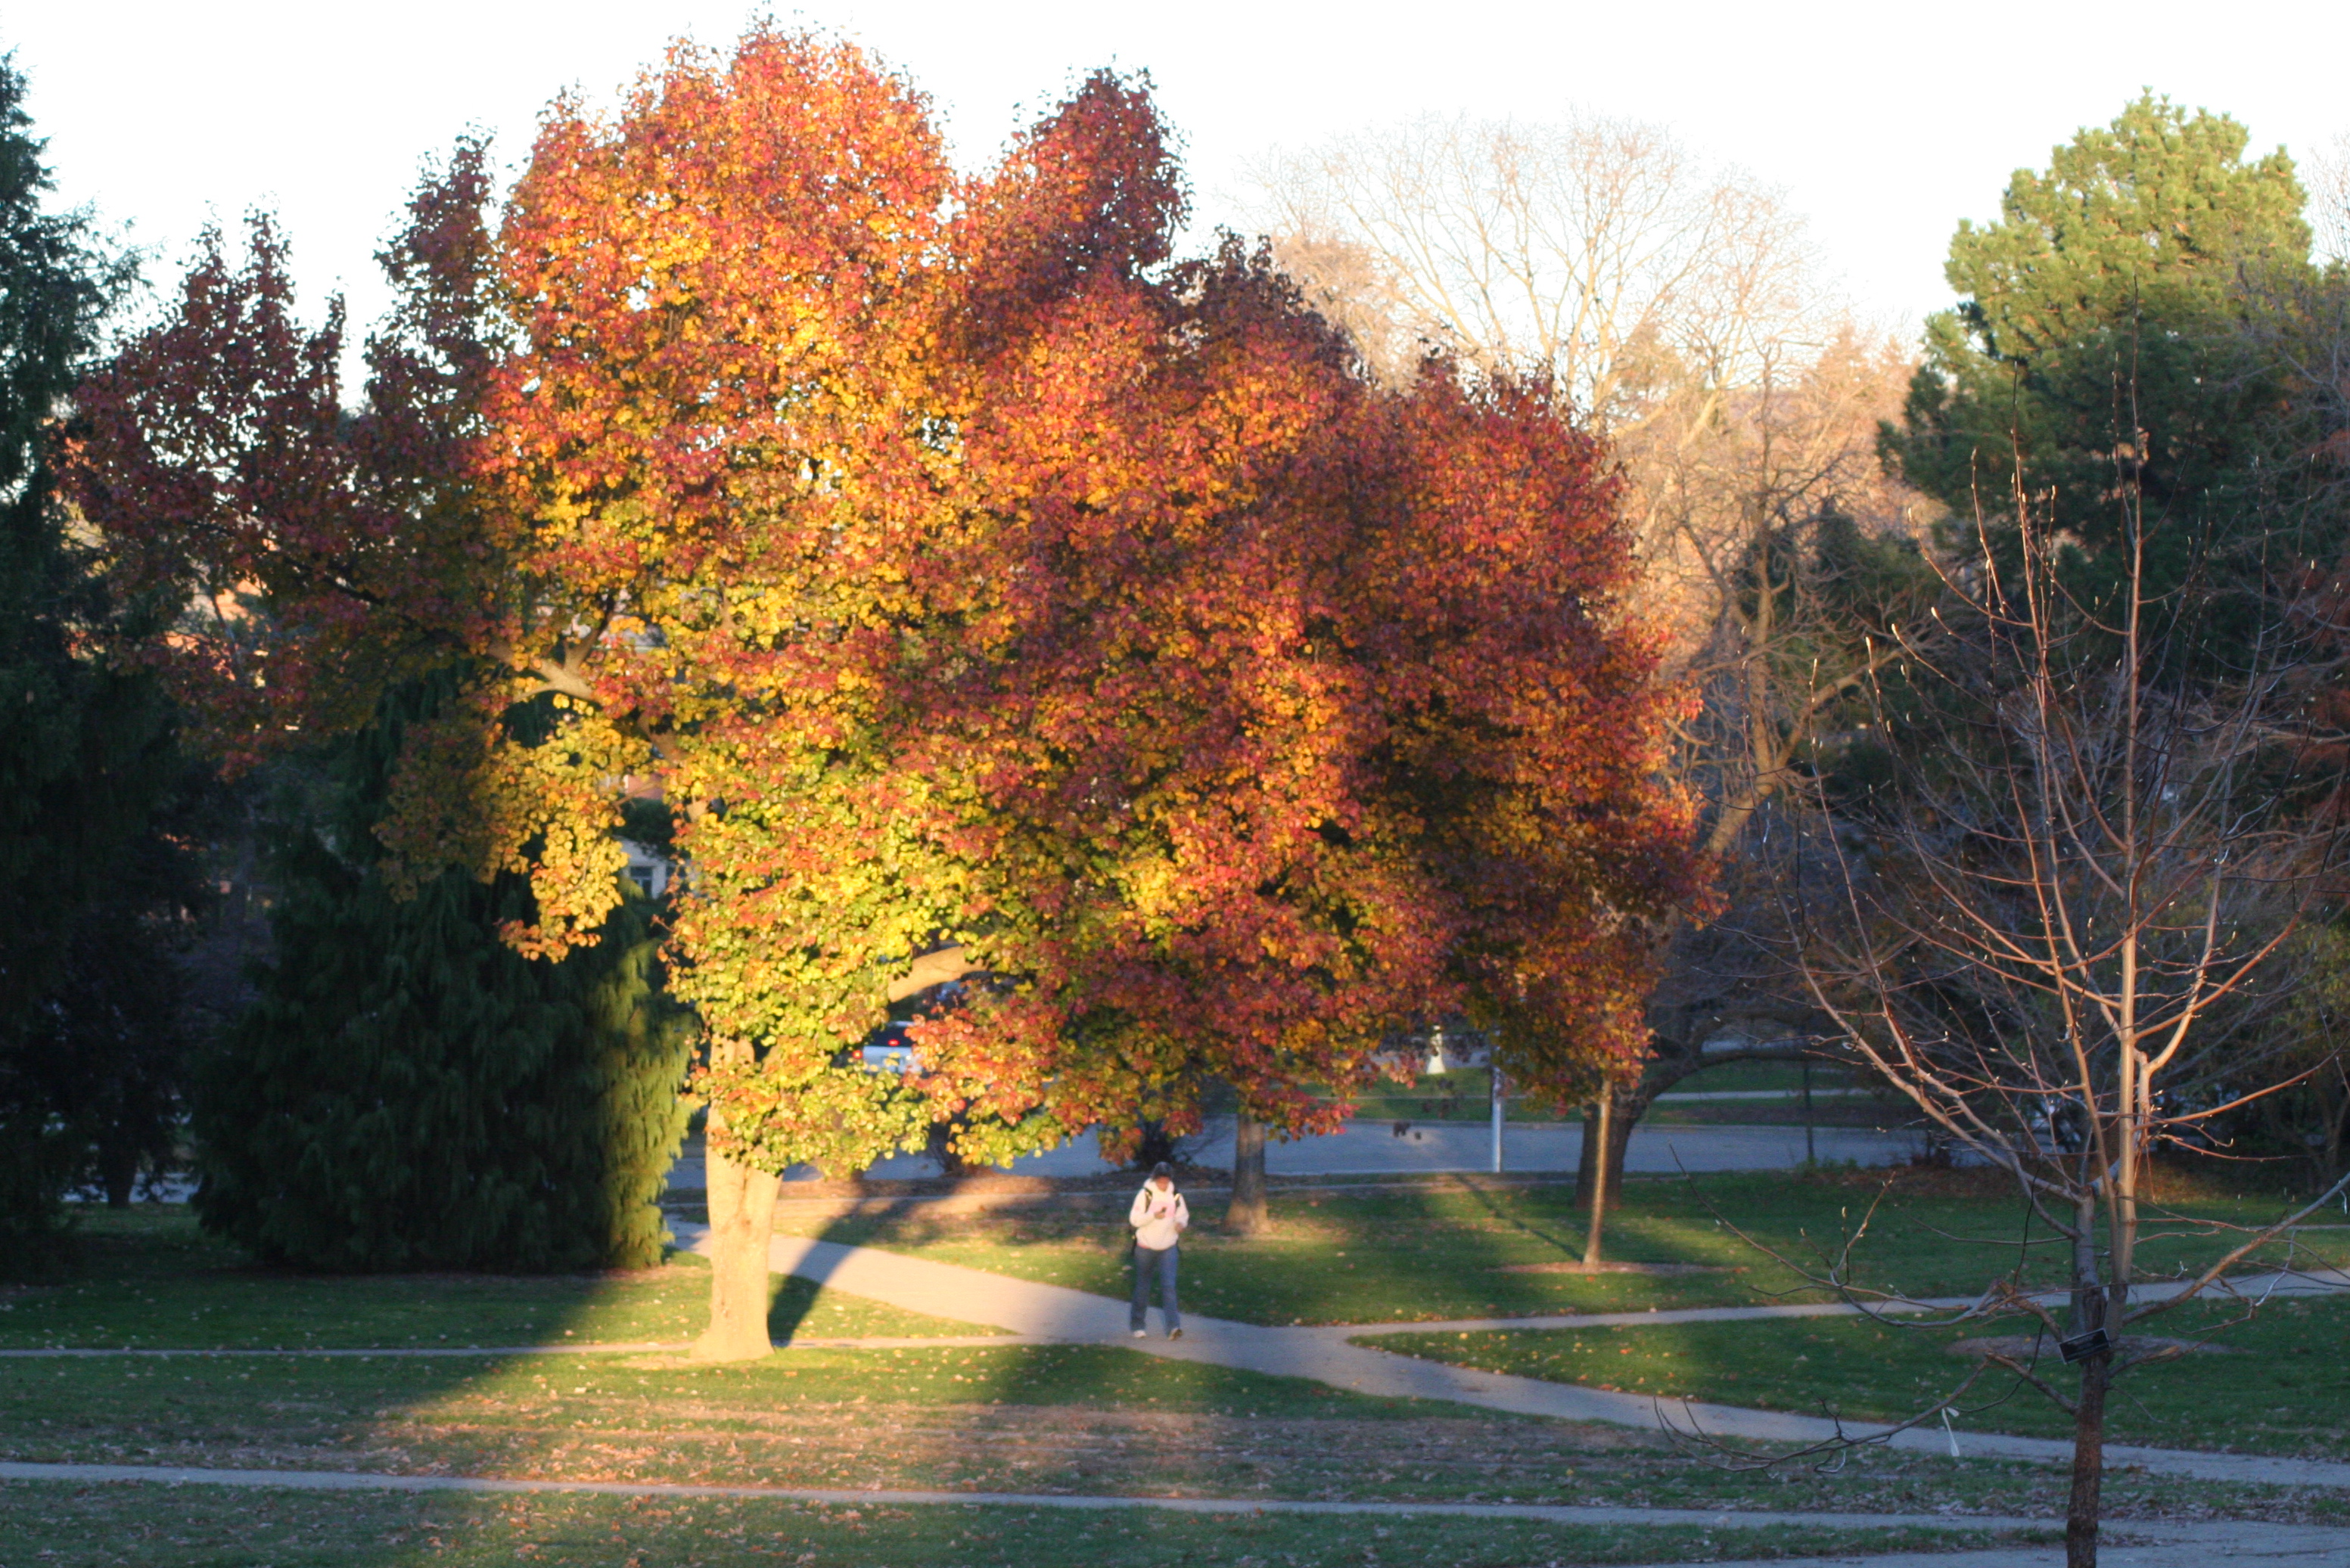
[{"x": 150, "y": 1279}]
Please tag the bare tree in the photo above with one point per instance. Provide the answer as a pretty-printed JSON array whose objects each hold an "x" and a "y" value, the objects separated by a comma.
[
  {"x": 2326, "y": 173},
  {"x": 1799, "y": 563},
  {"x": 2066, "y": 934},
  {"x": 1578, "y": 249}
]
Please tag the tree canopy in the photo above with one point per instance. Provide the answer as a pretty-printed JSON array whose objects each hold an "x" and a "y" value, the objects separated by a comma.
[
  {"x": 2100, "y": 349},
  {"x": 958, "y": 567}
]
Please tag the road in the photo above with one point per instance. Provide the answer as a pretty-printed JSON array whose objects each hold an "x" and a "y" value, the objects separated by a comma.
[{"x": 1377, "y": 1150}]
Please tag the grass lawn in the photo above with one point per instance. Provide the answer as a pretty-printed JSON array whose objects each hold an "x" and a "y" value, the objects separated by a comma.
[
  {"x": 1054, "y": 1419},
  {"x": 149, "y": 1278},
  {"x": 1452, "y": 1249},
  {"x": 1070, "y": 1419},
  {"x": 2277, "y": 1385},
  {"x": 85, "y": 1527}
]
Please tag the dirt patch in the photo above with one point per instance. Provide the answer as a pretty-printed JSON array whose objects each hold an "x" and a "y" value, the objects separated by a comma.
[{"x": 1654, "y": 1271}]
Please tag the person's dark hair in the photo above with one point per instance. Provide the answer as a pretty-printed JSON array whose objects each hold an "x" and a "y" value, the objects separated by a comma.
[{"x": 1163, "y": 1168}]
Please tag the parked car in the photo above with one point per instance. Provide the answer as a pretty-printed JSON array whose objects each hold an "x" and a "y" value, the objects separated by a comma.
[{"x": 889, "y": 1049}]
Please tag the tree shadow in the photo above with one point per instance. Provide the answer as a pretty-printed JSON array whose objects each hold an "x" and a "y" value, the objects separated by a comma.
[{"x": 211, "y": 1362}]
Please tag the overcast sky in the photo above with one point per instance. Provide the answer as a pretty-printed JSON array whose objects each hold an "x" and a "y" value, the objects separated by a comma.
[{"x": 1884, "y": 124}]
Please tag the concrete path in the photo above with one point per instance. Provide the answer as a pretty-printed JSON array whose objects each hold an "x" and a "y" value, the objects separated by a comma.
[
  {"x": 1326, "y": 1355},
  {"x": 1373, "y": 1148},
  {"x": 600, "y": 1347},
  {"x": 2129, "y": 1545},
  {"x": 2122, "y": 1546},
  {"x": 1546, "y": 1514}
]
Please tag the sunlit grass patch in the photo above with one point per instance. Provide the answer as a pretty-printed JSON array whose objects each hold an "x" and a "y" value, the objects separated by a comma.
[
  {"x": 1458, "y": 1249},
  {"x": 2279, "y": 1384}
]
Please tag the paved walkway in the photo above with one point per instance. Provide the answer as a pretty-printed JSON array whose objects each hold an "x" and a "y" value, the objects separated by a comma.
[
  {"x": 592, "y": 1347},
  {"x": 2129, "y": 1545},
  {"x": 1327, "y": 1355},
  {"x": 2124, "y": 1546}
]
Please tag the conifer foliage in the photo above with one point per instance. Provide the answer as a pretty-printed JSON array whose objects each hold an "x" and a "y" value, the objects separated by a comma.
[
  {"x": 87, "y": 762},
  {"x": 411, "y": 1092},
  {"x": 416, "y": 1086},
  {"x": 2102, "y": 347}
]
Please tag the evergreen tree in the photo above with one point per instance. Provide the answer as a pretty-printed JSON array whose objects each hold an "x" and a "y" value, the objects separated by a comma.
[
  {"x": 2105, "y": 348},
  {"x": 86, "y": 760},
  {"x": 411, "y": 1092}
]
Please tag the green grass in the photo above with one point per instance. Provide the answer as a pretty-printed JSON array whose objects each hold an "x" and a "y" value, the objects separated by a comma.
[
  {"x": 2279, "y": 1385},
  {"x": 150, "y": 1278},
  {"x": 1733, "y": 1076},
  {"x": 1092, "y": 1419},
  {"x": 1464, "y": 1095},
  {"x": 1455, "y": 1250},
  {"x": 519, "y": 1415},
  {"x": 1065, "y": 1419},
  {"x": 200, "y": 1527},
  {"x": 1011, "y": 1419}
]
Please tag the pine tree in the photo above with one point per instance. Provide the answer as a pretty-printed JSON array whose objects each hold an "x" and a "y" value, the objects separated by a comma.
[
  {"x": 2103, "y": 344},
  {"x": 411, "y": 1092},
  {"x": 86, "y": 754}
]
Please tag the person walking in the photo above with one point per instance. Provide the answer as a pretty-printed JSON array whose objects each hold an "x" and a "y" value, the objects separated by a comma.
[{"x": 1159, "y": 1217}]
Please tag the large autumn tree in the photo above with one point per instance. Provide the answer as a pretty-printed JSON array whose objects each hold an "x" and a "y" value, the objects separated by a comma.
[
  {"x": 991, "y": 579},
  {"x": 1325, "y": 717},
  {"x": 968, "y": 573}
]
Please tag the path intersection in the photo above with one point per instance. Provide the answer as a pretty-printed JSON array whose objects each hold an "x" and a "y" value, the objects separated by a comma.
[
  {"x": 1025, "y": 1312},
  {"x": 1328, "y": 1354}
]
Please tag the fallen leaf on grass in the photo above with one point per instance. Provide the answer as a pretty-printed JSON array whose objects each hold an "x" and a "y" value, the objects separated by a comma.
[{"x": 1660, "y": 1270}]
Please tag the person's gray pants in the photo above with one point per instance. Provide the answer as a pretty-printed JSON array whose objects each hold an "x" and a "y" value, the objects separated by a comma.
[{"x": 1147, "y": 1259}]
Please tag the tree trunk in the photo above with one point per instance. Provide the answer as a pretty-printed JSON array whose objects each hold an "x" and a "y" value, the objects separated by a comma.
[
  {"x": 1246, "y": 1216},
  {"x": 119, "y": 1167},
  {"x": 2083, "y": 1506},
  {"x": 741, "y": 1221},
  {"x": 1601, "y": 1186},
  {"x": 939, "y": 1144},
  {"x": 1590, "y": 1176}
]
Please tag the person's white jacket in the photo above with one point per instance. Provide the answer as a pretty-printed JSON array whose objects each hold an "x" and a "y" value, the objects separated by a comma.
[{"x": 1158, "y": 1218}]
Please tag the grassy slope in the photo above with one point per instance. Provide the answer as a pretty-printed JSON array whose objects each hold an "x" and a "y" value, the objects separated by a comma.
[
  {"x": 1447, "y": 1251},
  {"x": 2279, "y": 1384}
]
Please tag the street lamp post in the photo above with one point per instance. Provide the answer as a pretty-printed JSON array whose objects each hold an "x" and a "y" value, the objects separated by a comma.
[{"x": 1499, "y": 1092}]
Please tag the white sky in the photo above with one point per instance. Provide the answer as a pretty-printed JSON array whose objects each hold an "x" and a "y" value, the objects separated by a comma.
[{"x": 1884, "y": 122}]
